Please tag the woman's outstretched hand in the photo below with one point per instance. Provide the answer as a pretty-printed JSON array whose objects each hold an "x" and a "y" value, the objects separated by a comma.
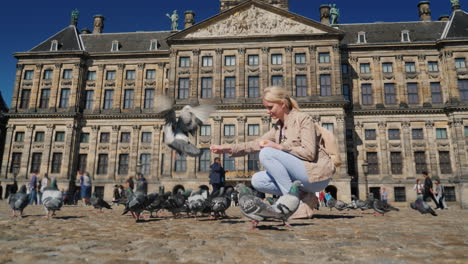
[
  {"x": 220, "y": 149},
  {"x": 268, "y": 143}
]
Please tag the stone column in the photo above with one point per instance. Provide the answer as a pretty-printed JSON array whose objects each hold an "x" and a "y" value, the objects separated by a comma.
[
  {"x": 240, "y": 83},
  {"x": 377, "y": 85},
  {"x": 383, "y": 149},
  {"x": 288, "y": 70},
  {"x": 27, "y": 153},
  {"x": 35, "y": 90},
  {"x": 241, "y": 165},
  {"x": 431, "y": 149},
  {"x": 400, "y": 80},
  {"x": 54, "y": 101},
  {"x": 113, "y": 150},
  {"x": 340, "y": 134},
  {"x": 360, "y": 158},
  {"x": 194, "y": 76},
  {"x": 119, "y": 87},
  {"x": 69, "y": 156},
  {"x": 354, "y": 89},
  {"x": 217, "y": 84},
  {"x": 48, "y": 144},
  {"x": 161, "y": 83},
  {"x": 425, "y": 88},
  {"x": 15, "y": 103},
  {"x": 217, "y": 132},
  {"x": 99, "y": 90},
  {"x": 93, "y": 154},
  {"x": 135, "y": 151},
  {"x": 264, "y": 74},
  {"x": 7, "y": 152},
  {"x": 313, "y": 91},
  {"x": 336, "y": 70},
  {"x": 139, "y": 91},
  {"x": 172, "y": 74},
  {"x": 408, "y": 161},
  {"x": 155, "y": 153}
]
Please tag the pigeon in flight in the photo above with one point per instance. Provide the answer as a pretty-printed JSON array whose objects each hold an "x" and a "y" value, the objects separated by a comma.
[
  {"x": 177, "y": 130},
  {"x": 19, "y": 201}
]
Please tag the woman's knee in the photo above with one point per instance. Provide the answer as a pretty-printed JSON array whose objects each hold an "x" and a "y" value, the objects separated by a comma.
[{"x": 267, "y": 154}]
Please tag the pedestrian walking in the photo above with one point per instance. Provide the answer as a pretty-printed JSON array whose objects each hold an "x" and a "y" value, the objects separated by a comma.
[
  {"x": 440, "y": 194},
  {"x": 130, "y": 183},
  {"x": 86, "y": 186},
  {"x": 43, "y": 184},
  {"x": 33, "y": 188},
  {"x": 384, "y": 195},
  {"x": 216, "y": 174},
  {"x": 418, "y": 188},
  {"x": 428, "y": 189}
]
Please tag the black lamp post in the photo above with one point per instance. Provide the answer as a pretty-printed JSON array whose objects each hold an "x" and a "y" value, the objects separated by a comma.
[{"x": 365, "y": 170}]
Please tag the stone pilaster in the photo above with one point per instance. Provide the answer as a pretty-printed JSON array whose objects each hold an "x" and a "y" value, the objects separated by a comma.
[
  {"x": 69, "y": 160},
  {"x": 217, "y": 130},
  {"x": 27, "y": 153},
  {"x": 135, "y": 152},
  {"x": 383, "y": 155},
  {"x": 353, "y": 63},
  {"x": 460, "y": 163},
  {"x": 48, "y": 143},
  {"x": 377, "y": 86},
  {"x": 155, "y": 153},
  {"x": 431, "y": 149},
  {"x": 400, "y": 79},
  {"x": 139, "y": 92},
  {"x": 162, "y": 81},
  {"x": 16, "y": 97},
  {"x": 194, "y": 76},
  {"x": 288, "y": 77},
  {"x": 241, "y": 69},
  {"x": 172, "y": 89},
  {"x": 408, "y": 160},
  {"x": 312, "y": 71},
  {"x": 217, "y": 84},
  {"x": 7, "y": 153},
  {"x": 266, "y": 121},
  {"x": 361, "y": 157},
  {"x": 336, "y": 70},
  {"x": 99, "y": 91},
  {"x": 93, "y": 154},
  {"x": 55, "y": 88},
  {"x": 265, "y": 74},
  {"x": 35, "y": 90},
  {"x": 340, "y": 134},
  {"x": 119, "y": 87},
  {"x": 424, "y": 84},
  {"x": 241, "y": 162},
  {"x": 113, "y": 157}
]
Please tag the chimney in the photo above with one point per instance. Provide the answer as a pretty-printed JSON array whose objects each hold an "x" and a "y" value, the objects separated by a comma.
[
  {"x": 85, "y": 31},
  {"x": 444, "y": 18},
  {"x": 325, "y": 14},
  {"x": 424, "y": 11},
  {"x": 98, "y": 24},
  {"x": 189, "y": 18}
]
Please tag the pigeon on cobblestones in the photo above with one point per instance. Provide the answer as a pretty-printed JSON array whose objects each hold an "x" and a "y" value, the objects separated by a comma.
[
  {"x": 177, "y": 130},
  {"x": 421, "y": 206},
  {"x": 176, "y": 203},
  {"x": 381, "y": 207},
  {"x": 220, "y": 203},
  {"x": 197, "y": 201},
  {"x": 137, "y": 201},
  {"x": 287, "y": 204},
  {"x": 156, "y": 201},
  {"x": 52, "y": 198},
  {"x": 19, "y": 201},
  {"x": 99, "y": 203}
]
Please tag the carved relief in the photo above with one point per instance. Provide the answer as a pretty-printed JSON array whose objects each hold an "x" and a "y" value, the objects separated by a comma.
[
  {"x": 365, "y": 77},
  {"x": 382, "y": 124},
  {"x": 241, "y": 51},
  {"x": 84, "y": 147},
  {"x": 395, "y": 145},
  {"x": 16, "y": 146},
  {"x": 264, "y": 50},
  {"x": 266, "y": 119},
  {"x": 339, "y": 118},
  {"x": 141, "y": 65},
  {"x": 30, "y": 127},
  {"x": 371, "y": 145},
  {"x": 218, "y": 119},
  {"x": 421, "y": 57},
  {"x": 95, "y": 127},
  {"x": 115, "y": 128},
  {"x": 124, "y": 147},
  {"x": 241, "y": 119},
  {"x": 91, "y": 84},
  {"x": 229, "y": 139},
  {"x": 184, "y": 72},
  {"x": 59, "y": 146},
  {"x": 196, "y": 52},
  {"x": 312, "y": 49},
  {"x": 204, "y": 140},
  {"x": 301, "y": 68},
  {"x": 406, "y": 124},
  {"x": 109, "y": 84},
  {"x": 104, "y": 147},
  {"x": 388, "y": 76},
  {"x": 288, "y": 49},
  {"x": 47, "y": 83},
  {"x": 316, "y": 118},
  {"x": 219, "y": 51},
  {"x": 229, "y": 70},
  {"x": 358, "y": 125},
  {"x": 36, "y": 146},
  {"x": 120, "y": 66},
  {"x": 208, "y": 71},
  {"x": 66, "y": 82},
  {"x": 253, "y": 69},
  {"x": 252, "y": 22},
  {"x": 150, "y": 83},
  {"x": 429, "y": 124},
  {"x": 277, "y": 69},
  {"x": 129, "y": 83}
]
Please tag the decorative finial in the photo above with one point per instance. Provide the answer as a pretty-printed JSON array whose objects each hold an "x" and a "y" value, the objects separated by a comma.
[{"x": 75, "y": 14}]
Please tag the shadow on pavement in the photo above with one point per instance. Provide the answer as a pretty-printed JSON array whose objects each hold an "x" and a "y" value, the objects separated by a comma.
[{"x": 319, "y": 216}]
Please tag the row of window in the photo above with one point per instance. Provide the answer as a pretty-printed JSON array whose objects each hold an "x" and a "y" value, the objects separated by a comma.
[
  {"x": 400, "y": 193},
  {"x": 416, "y": 133},
  {"x": 39, "y": 136},
  {"x": 362, "y": 37},
  {"x": 36, "y": 159},
  {"x": 396, "y": 162},
  {"x": 67, "y": 74},
  {"x": 154, "y": 45}
]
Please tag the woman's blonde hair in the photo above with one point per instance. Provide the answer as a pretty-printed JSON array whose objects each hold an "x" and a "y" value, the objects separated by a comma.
[{"x": 276, "y": 94}]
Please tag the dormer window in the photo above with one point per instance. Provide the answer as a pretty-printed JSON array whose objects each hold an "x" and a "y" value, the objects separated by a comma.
[
  {"x": 154, "y": 44},
  {"x": 54, "y": 45},
  {"x": 405, "y": 36},
  {"x": 362, "y": 37},
  {"x": 115, "y": 45}
]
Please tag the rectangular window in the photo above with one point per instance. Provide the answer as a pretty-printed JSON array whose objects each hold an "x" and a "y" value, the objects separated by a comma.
[
  {"x": 163, "y": 159},
  {"x": 150, "y": 74},
  {"x": 59, "y": 136},
  {"x": 373, "y": 163},
  {"x": 328, "y": 126},
  {"x": 277, "y": 80},
  {"x": 102, "y": 164},
  {"x": 466, "y": 131},
  {"x": 441, "y": 133},
  {"x": 432, "y": 66},
  {"x": 104, "y": 137},
  {"x": 276, "y": 59},
  {"x": 346, "y": 92},
  {"x": 130, "y": 75},
  {"x": 400, "y": 194},
  {"x": 207, "y": 61},
  {"x": 364, "y": 67},
  {"x": 184, "y": 85},
  {"x": 145, "y": 160},
  {"x": 180, "y": 163},
  {"x": 387, "y": 67},
  {"x": 28, "y": 75},
  {"x": 436, "y": 93},
  {"x": 149, "y": 98},
  {"x": 15, "y": 162},
  {"x": 123, "y": 164},
  {"x": 128, "y": 99},
  {"x": 463, "y": 89},
  {"x": 82, "y": 162},
  {"x": 253, "y": 87},
  {"x": 366, "y": 89},
  {"x": 324, "y": 57},
  {"x": 89, "y": 100},
  {"x": 45, "y": 96},
  {"x": 206, "y": 87},
  {"x": 253, "y": 60},
  {"x": 19, "y": 136},
  {"x": 146, "y": 137},
  {"x": 301, "y": 85},
  {"x": 344, "y": 68},
  {"x": 370, "y": 134},
  {"x": 228, "y": 162},
  {"x": 91, "y": 76},
  {"x": 396, "y": 162},
  {"x": 67, "y": 74},
  {"x": 229, "y": 130},
  {"x": 325, "y": 85},
  {"x": 420, "y": 161},
  {"x": 253, "y": 130},
  {"x": 25, "y": 95},
  {"x": 84, "y": 137},
  {"x": 108, "y": 99},
  {"x": 36, "y": 162},
  {"x": 390, "y": 94},
  {"x": 48, "y": 75},
  {"x": 205, "y": 130},
  {"x": 184, "y": 62},
  {"x": 64, "y": 98},
  {"x": 110, "y": 75},
  {"x": 449, "y": 193},
  {"x": 444, "y": 162},
  {"x": 230, "y": 87},
  {"x": 413, "y": 93},
  {"x": 56, "y": 162},
  {"x": 39, "y": 137},
  {"x": 417, "y": 133},
  {"x": 394, "y": 134},
  {"x": 252, "y": 162},
  {"x": 125, "y": 137},
  {"x": 230, "y": 60},
  {"x": 460, "y": 63},
  {"x": 410, "y": 67},
  {"x": 300, "y": 58},
  {"x": 204, "y": 161}
]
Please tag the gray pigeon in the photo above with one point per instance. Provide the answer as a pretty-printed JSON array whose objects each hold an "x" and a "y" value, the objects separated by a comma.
[
  {"x": 220, "y": 203},
  {"x": 421, "y": 206},
  {"x": 331, "y": 203},
  {"x": 381, "y": 207},
  {"x": 19, "y": 201},
  {"x": 287, "y": 204},
  {"x": 254, "y": 208},
  {"x": 137, "y": 201},
  {"x": 99, "y": 203},
  {"x": 52, "y": 198},
  {"x": 177, "y": 130},
  {"x": 340, "y": 205},
  {"x": 197, "y": 201}
]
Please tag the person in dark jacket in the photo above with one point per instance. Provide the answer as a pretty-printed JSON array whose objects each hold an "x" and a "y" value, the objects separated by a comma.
[
  {"x": 428, "y": 189},
  {"x": 217, "y": 175}
]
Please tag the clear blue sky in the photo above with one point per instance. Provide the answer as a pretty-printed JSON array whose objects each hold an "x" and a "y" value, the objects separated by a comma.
[{"x": 27, "y": 23}]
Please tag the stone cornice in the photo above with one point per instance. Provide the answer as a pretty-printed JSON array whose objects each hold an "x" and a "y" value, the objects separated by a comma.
[
  {"x": 244, "y": 39},
  {"x": 42, "y": 115},
  {"x": 48, "y": 55},
  {"x": 404, "y": 111}
]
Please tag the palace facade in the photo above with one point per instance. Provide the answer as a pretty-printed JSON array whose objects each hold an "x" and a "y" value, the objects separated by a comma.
[{"x": 394, "y": 94}]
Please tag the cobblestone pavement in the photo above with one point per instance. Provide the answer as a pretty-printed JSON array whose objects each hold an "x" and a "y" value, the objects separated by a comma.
[{"x": 83, "y": 235}]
